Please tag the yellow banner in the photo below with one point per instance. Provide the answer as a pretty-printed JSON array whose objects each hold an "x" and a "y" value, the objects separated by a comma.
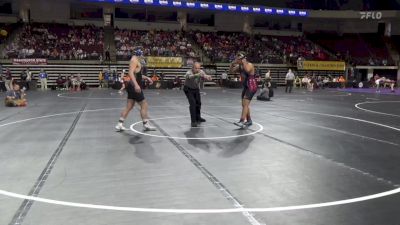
[
  {"x": 171, "y": 62},
  {"x": 321, "y": 65}
]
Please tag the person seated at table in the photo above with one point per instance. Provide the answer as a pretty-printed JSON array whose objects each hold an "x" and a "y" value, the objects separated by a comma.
[
  {"x": 60, "y": 82},
  {"x": 82, "y": 83},
  {"x": 305, "y": 81},
  {"x": 297, "y": 82},
  {"x": 266, "y": 90},
  {"x": 342, "y": 81},
  {"x": 177, "y": 83},
  {"x": 325, "y": 82},
  {"x": 156, "y": 80}
]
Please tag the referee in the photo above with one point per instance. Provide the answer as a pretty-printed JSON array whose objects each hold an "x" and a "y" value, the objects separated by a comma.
[
  {"x": 289, "y": 81},
  {"x": 192, "y": 92}
]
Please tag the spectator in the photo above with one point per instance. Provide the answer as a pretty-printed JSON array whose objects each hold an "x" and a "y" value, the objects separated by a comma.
[
  {"x": 155, "y": 80},
  {"x": 82, "y": 83},
  {"x": 8, "y": 78},
  {"x": 28, "y": 78},
  {"x": 108, "y": 59},
  {"x": 177, "y": 83},
  {"x": 2, "y": 85},
  {"x": 153, "y": 43},
  {"x": 60, "y": 82},
  {"x": 43, "y": 80},
  {"x": 224, "y": 77},
  {"x": 23, "y": 78},
  {"x": 297, "y": 82},
  {"x": 266, "y": 89},
  {"x": 75, "y": 83},
  {"x": 342, "y": 81},
  {"x": 305, "y": 81},
  {"x": 107, "y": 79},
  {"x": 101, "y": 79},
  {"x": 15, "y": 97},
  {"x": 57, "y": 42}
]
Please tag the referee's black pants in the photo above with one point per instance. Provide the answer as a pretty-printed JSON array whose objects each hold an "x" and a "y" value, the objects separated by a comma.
[
  {"x": 289, "y": 85},
  {"x": 193, "y": 96}
]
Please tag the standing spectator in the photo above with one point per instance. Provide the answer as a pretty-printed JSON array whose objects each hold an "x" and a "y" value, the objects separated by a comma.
[
  {"x": 224, "y": 77},
  {"x": 108, "y": 59},
  {"x": 114, "y": 76},
  {"x": 107, "y": 79},
  {"x": 2, "y": 85},
  {"x": 312, "y": 83},
  {"x": 43, "y": 80},
  {"x": 8, "y": 78},
  {"x": 28, "y": 78},
  {"x": 289, "y": 81},
  {"x": 101, "y": 79},
  {"x": 23, "y": 78}
]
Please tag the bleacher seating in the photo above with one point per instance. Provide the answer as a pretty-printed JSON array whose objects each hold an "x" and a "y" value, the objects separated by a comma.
[
  {"x": 57, "y": 41},
  {"x": 360, "y": 49},
  {"x": 297, "y": 47},
  {"x": 153, "y": 43},
  {"x": 221, "y": 47}
]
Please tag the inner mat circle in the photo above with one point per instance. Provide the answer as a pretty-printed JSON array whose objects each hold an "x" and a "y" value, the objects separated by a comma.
[{"x": 132, "y": 127}]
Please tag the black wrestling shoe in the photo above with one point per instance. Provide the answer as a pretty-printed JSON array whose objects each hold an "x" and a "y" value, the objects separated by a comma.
[
  {"x": 248, "y": 123},
  {"x": 201, "y": 120}
]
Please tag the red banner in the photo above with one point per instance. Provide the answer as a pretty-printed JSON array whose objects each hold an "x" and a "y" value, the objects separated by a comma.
[{"x": 29, "y": 61}]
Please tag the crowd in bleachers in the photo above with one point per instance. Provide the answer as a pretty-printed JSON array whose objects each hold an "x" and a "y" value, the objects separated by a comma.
[
  {"x": 222, "y": 46},
  {"x": 5, "y": 30},
  {"x": 65, "y": 42},
  {"x": 294, "y": 48},
  {"x": 365, "y": 49},
  {"x": 57, "y": 41},
  {"x": 153, "y": 43}
]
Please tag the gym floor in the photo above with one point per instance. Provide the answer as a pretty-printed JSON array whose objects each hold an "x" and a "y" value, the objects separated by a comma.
[{"x": 326, "y": 157}]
